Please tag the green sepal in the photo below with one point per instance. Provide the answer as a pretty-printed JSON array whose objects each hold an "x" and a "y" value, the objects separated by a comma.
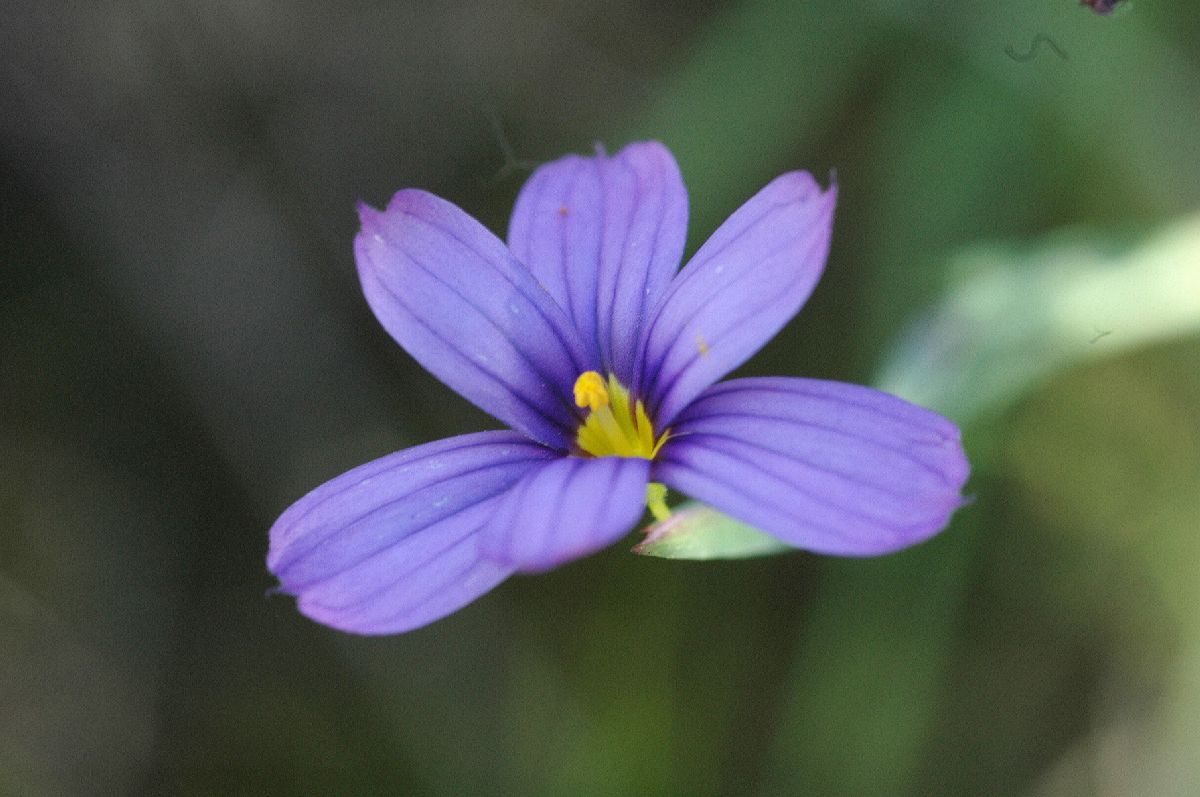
[{"x": 697, "y": 531}]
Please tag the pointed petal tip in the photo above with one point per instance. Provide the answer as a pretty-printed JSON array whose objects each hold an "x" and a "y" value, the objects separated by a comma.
[
  {"x": 374, "y": 222},
  {"x": 367, "y": 215},
  {"x": 802, "y": 186},
  {"x": 600, "y": 152},
  {"x": 401, "y": 202},
  {"x": 831, "y": 193}
]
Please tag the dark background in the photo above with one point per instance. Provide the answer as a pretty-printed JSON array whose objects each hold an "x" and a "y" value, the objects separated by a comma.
[{"x": 184, "y": 351}]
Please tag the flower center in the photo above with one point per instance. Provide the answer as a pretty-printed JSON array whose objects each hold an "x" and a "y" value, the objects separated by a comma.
[{"x": 614, "y": 427}]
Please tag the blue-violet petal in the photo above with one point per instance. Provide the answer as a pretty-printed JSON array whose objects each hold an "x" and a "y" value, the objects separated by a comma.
[
  {"x": 452, "y": 295},
  {"x": 738, "y": 290},
  {"x": 566, "y": 509},
  {"x": 604, "y": 235},
  {"x": 826, "y": 466},
  {"x": 393, "y": 544}
]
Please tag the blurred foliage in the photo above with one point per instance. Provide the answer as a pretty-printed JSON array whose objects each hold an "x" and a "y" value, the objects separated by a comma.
[
  {"x": 1017, "y": 317},
  {"x": 185, "y": 351}
]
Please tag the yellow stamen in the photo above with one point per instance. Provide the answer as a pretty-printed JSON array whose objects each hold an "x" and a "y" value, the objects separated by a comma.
[
  {"x": 590, "y": 392},
  {"x": 615, "y": 426},
  {"x": 656, "y": 501}
]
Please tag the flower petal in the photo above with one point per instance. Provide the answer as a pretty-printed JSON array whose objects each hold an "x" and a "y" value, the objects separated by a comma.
[
  {"x": 452, "y": 295},
  {"x": 827, "y": 466},
  {"x": 604, "y": 235},
  {"x": 739, "y": 289},
  {"x": 393, "y": 544},
  {"x": 566, "y": 509}
]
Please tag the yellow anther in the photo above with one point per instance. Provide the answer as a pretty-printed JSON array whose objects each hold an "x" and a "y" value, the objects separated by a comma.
[
  {"x": 616, "y": 425},
  {"x": 590, "y": 391}
]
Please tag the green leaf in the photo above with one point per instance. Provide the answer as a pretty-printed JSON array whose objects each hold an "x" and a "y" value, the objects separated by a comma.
[
  {"x": 697, "y": 531},
  {"x": 1018, "y": 316}
]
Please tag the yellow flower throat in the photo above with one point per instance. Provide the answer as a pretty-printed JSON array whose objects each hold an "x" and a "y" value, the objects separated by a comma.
[{"x": 613, "y": 428}]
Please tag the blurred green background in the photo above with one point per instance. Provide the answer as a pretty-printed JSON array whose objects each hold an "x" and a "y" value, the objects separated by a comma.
[{"x": 184, "y": 351}]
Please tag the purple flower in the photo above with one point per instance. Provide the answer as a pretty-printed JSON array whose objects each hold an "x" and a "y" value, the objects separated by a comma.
[{"x": 580, "y": 335}]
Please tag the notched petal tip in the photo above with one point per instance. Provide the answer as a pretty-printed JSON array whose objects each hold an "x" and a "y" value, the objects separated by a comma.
[
  {"x": 801, "y": 188},
  {"x": 798, "y": 185},
  {"x": 632, "y": 149},
  {"x": 370, "y": 236},
  {"x": 405, "y": 202}
]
